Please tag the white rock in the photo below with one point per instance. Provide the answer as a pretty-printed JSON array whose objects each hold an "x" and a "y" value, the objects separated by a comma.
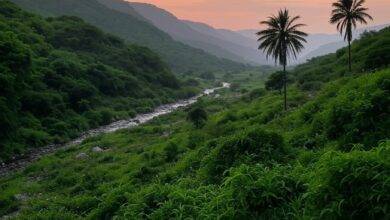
[
  {"x": 97, "y": 149},
  {"x": 82, "y": 156}
]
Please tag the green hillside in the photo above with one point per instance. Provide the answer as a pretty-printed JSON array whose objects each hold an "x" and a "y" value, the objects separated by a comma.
[
  {"x": 328, "y": 157},
  {"x": 61, "y": 76},
  {"x": 370, "y": 53},
  {"x": 180, "y": 57}
]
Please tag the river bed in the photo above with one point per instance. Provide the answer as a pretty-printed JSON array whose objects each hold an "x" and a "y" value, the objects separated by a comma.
[{"x": 22, "y": 161}]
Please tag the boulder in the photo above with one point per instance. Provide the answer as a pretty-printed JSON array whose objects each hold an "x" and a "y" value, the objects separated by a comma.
[
  {"x": 82, "y": 156},
  {"x": 97, "y": 149}
]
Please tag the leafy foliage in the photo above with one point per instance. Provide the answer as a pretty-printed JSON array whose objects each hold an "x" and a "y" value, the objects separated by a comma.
[
  {"x": 369, "y": 52},
  {"x": 61, "y": 76},
  {"x": 354, "y": 185},
  {"x": 275, "y": 81},
  {"x": 198, "y": 116}
]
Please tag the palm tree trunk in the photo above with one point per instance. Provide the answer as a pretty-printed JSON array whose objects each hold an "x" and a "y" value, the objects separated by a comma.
[
  {"x": 285, "y": 86},
  {"x": 349, "y": 57}
]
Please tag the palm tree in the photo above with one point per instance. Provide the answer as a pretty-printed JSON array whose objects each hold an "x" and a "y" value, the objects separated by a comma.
[
  {"x": 346, "y": 14},
  {"x": 281, "y": 40}
]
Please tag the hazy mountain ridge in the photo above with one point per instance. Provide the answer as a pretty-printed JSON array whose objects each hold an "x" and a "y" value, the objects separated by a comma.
[
  {"x": 236, "y": 43},
  {"x": 180, "y": 31},
  {"x": 318, "y": 44},
  {"x": 130, "y": 26},
  {"x": 322, "y": 44},
  {"x": 222, "y": 43}
]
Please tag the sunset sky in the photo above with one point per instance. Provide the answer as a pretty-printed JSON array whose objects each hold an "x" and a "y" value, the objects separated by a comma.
[{"x": 245, "y": 14}]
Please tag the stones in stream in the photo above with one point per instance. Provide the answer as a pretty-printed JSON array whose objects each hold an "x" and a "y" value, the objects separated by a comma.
[{"x": 20, "y": 162}]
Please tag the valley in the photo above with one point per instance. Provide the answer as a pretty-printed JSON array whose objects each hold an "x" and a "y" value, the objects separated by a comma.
[
  {"x": 121, "y": 110},
  {"x": 22, "y": 161}
]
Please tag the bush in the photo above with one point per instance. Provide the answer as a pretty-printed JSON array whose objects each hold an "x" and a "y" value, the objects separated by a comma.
[
  {"x": 275, "y": 81},
  {"x": 353, "y": 185},
  {"x": 198, "y": 116},
  {"x": 255, "y": 94},
  {"x": 256, "y": 192},
  {"x": 254, "y": 146},
  {"x": 106, "y": 116},
  {"x": 171, "y": 152},
  {"x": 34, "y": 138},
  {"x": 358, "y": 113}
]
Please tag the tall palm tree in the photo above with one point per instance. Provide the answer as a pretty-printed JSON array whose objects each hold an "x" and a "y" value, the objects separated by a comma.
[
  {"x": 282, "y": 40},
  {"x": 346, "y": 14}
]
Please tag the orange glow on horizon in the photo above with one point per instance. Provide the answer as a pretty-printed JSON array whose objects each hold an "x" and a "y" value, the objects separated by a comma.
[{"x": 245, "y": 14}]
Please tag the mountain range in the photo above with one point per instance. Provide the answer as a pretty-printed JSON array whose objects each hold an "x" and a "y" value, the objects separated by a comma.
[
  {"x": 240, "y": 45},
  {"x": 119, "y": 18},
  {"x": 220, "y": 42},
  {"x": 185, "y": 45},
  {"x": 319, "y": 44}
]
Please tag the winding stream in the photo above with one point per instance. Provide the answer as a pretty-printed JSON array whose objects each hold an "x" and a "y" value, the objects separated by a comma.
[{"x": 23, "y": 160}]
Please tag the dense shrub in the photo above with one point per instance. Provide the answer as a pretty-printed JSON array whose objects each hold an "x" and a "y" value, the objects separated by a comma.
[
  {"x": 275, "y": 81},
  {"x": 171, "y": 151},
  {"x": 255, "y": 192},
  {"x": 369, "y": 53},
  {"x": 358, "y": 114},
  {"x": 254, "y": 146},
  {"x": 255, "y": 94},
  {"x": 198, "y": 116},
  {"x": 353, "y": 185}
]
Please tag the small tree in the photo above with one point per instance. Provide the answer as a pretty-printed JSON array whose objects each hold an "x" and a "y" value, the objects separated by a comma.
[
  {"x": 275, "y": 81},
  {"x": 198, "y": 116}
]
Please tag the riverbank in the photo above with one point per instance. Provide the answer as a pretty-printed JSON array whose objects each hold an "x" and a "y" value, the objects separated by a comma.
[{"x": 21, "y": 161}]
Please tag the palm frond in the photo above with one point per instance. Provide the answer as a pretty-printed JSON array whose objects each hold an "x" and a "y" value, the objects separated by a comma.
[
  {"x": 281, "y": 38},
  {"x": 346, "y": 14}
]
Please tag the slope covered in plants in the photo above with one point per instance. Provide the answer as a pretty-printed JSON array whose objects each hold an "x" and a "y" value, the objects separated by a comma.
[
  {"x": 61, "y": 76},
  {"x": 369, "y": 53},
  {"x": 328, "y": 157}
]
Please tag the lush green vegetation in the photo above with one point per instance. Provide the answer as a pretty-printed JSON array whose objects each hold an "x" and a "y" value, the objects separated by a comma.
[
  {"x": 328, "y": 157},
  {"x": 370, "y": 53},
  {"x": 61, "y": 76},
  {"x": 129, "y": 25}
]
